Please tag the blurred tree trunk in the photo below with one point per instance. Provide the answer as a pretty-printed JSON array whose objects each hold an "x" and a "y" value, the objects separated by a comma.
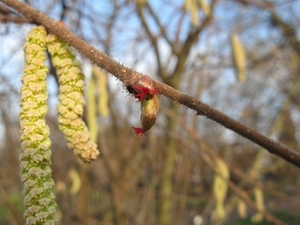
[
  {"x": 83, "y": 195},
  {"x": 165, "y": 213}
]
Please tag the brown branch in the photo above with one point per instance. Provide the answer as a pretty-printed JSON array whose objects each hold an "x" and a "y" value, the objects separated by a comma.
[
  {"x": 288, "y": 31},
  {"x": 258, "y": 4},
  {"x": 124, "y": 74},
  {"x": 17, "y": 20},
  {"x": 6, "y": 15}
]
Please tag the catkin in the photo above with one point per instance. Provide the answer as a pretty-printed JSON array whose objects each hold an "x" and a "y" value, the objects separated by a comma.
[
  {"x": 71, "y": 99},
  {"x": 205, "y": 7},
  {"x": 242, "y": 208},
  {"x": 239, "y": 58},
  {"x": 259, "y": 201},
  {"x": 103, "y": 99},
  {"x": 91, "y": 109},
  {"x": 35, "y": 154},
  {"x": 220, "y": 186}
]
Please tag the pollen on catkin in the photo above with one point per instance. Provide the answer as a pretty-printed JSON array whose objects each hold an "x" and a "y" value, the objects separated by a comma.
[
  {"x": 35, "y": 151},
  {"x": 71, "y": 99}
]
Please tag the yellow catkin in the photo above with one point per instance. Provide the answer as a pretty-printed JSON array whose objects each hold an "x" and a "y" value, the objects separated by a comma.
[
  {"x": 194, "y": 13},
  {"x": 141, "y": 2},
  {"x": 76, "y": 181},
  {"x": 242, "y": 208},
  {"x": 220, "y": 187},
  {"x": 103, "y": 107},
  {"x": 71, "y": 99},
  {"x": 35, "y": 154},
  {"x": 239, "y": 57},
  {"x": 205, "y": 7},
  {"x": 192, "y": 8},
  {"x": 188, "y": 5},
  {"x": 259, "y": 201},
  {"x": 91, "y": 109}
]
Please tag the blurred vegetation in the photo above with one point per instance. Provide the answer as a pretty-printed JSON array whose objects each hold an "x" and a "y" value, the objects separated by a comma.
[{"x": 169, "y": 175}]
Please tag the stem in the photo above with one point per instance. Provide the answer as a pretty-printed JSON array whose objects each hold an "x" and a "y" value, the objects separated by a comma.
[{"x": 124, "y": 74}]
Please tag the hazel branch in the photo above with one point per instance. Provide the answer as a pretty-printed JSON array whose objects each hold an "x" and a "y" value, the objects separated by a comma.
[{"x": 125, "y": 74}]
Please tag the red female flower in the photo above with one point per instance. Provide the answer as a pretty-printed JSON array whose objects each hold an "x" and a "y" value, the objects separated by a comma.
[
  {"x": 149, "y": 110},
  {"x": 143, "y": 89}
]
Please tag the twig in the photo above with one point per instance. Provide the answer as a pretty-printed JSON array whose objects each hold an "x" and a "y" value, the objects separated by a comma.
[{"x": 124, "y": 74}]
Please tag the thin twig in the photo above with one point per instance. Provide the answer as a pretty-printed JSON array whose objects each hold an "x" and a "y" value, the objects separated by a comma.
[{"x": 125, "y": 74}]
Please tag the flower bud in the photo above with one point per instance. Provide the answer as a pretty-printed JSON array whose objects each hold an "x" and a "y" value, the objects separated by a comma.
[{"x": 149, "y": 110}]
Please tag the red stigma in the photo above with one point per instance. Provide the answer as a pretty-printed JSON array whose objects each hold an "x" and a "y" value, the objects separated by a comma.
[
  {"x": 143, "y": 92},
  {"x": 138, "y": 131}
]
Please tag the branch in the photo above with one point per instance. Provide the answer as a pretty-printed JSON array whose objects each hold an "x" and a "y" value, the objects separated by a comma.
[
  {"x": 287, "y": 30},
  {"x": 6, "y": 15},
  {"x": 125, "y": 74}
]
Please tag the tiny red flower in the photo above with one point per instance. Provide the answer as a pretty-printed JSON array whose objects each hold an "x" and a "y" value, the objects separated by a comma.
[
  {"x": 138, "y": 131},
  {"x": 144, "y": 92},
  {"x": 144, "y": 88}
]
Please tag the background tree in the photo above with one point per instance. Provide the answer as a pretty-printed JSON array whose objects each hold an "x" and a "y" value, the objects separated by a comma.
[{"x": 174, "y": 174}]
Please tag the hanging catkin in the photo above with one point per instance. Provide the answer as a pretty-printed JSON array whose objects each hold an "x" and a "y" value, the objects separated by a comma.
[
  {"x": 36, "y": 174},
  {"x": 220, "y": 187},
  {"x": 238, "y": 57},
  {"x": 71, "y": 99}
]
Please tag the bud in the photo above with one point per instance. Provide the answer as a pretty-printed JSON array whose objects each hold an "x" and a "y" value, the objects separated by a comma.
[
  {"x": 149, "y": 110},
  {"x": 143, "y": 87}
]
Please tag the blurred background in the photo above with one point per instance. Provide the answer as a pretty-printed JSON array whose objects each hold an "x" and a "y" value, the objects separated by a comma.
[{"x": 241, "y": 57}]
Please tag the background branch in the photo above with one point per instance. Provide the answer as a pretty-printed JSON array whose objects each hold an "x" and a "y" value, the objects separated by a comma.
[{"x": 124, "y": 74}]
